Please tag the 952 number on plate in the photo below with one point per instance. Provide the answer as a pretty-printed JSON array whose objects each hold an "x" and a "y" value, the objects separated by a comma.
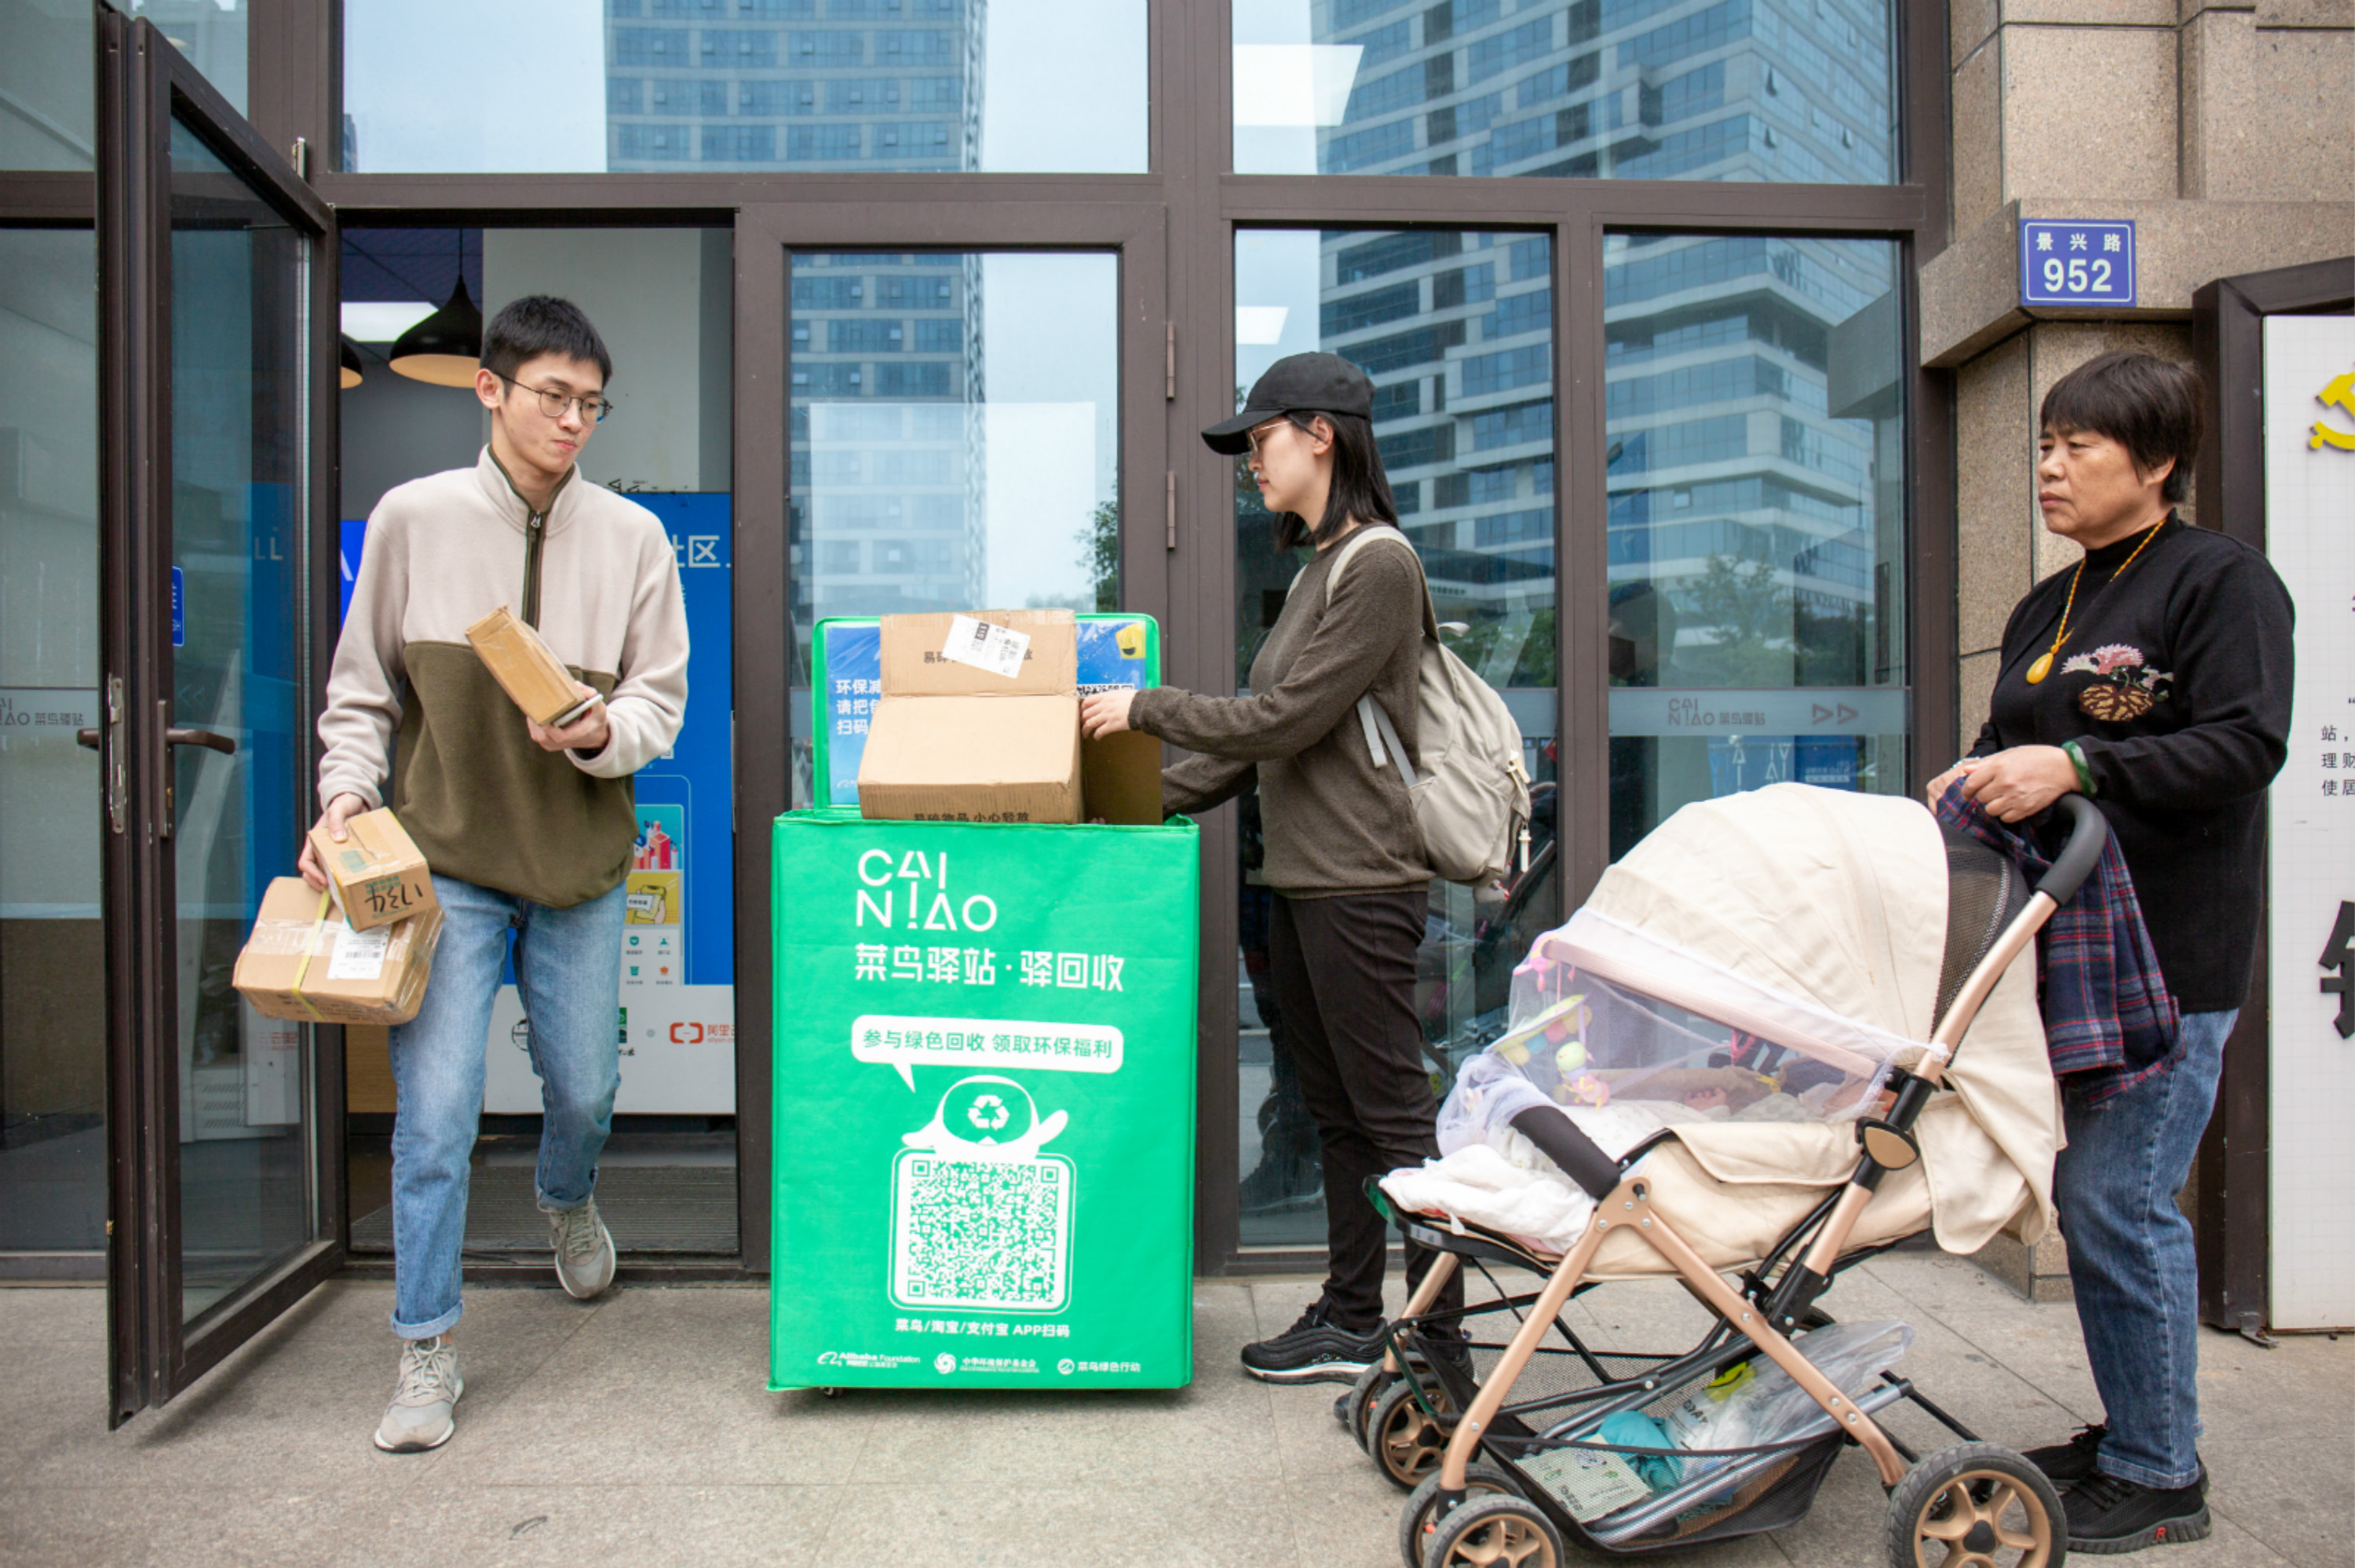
[{"x": 2076, "y": 262}]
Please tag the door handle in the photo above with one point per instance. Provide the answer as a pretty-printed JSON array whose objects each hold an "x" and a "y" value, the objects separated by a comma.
[
  {"x": 204, "y": 738},
  {"x": 88, "y": 738},
  {"x": 172, "y": 737}
]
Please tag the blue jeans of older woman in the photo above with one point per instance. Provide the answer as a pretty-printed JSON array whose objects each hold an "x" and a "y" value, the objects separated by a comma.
[
  {"x": 567, "y": 966},
  {"x": 2130, "y": 1257}
]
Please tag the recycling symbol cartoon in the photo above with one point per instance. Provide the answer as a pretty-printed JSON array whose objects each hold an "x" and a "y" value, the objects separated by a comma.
[{"x": 983, "y": 1105}]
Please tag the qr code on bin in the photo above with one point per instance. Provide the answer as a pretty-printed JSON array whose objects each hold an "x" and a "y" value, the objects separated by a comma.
[{"x": 981, "y": 1232}]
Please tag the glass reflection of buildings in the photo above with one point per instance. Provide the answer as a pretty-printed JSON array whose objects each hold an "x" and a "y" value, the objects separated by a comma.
[
  {"x": 888, "y": 426},
  {"x": 1722, "y": 442},
  {"x": 799, "y": 85},
  {"x": 890, "y": 521}
]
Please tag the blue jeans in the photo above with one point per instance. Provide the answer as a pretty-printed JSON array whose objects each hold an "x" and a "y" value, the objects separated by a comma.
[
  {"x": 2131, "y": 1261},
  {"x": 569, "y": 967}
]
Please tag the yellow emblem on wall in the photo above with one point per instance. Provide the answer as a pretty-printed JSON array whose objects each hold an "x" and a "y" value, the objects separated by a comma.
[{"x": 2339, "y": 395}]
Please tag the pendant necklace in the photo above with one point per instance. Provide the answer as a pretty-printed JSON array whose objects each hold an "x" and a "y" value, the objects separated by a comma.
[{"x": 2043, "y": 665}]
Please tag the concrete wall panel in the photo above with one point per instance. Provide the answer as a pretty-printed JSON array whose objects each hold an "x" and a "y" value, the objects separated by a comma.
[
  {"x": 1978, "y": 137},
  {"x": 1995, "y": 500},
  {"x": 2258, "y": 106},
  {"x": 2089, "y": 112}
]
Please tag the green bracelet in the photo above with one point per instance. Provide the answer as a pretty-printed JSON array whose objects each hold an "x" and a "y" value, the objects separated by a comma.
[{"x": 2084, "y": 773}]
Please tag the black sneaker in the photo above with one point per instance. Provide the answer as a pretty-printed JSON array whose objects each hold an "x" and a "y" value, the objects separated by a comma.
[
  {"x": 1314, "y": 1350},
  {"x": 2066, "y": 1464},
  {"x": 2109, "y": 1516}
]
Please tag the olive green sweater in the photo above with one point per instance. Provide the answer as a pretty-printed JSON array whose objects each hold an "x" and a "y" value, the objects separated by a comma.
[
  {"x": 597, "y": 574},
  {"x": 1335, "y": 823}
]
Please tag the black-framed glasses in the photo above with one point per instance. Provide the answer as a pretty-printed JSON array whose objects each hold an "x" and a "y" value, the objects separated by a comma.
[{"x": 553, "y": 404}]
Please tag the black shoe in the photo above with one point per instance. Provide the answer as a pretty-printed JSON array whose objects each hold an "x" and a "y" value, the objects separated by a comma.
[
  {"x": 2107, "y": 1516},
  {"x": 1314, "y": 1350},
  {"x": 2066, "y": 1464}
]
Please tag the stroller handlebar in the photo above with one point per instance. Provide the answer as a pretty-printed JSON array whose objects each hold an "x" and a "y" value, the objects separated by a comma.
[{"x": 2088, "y": 831}]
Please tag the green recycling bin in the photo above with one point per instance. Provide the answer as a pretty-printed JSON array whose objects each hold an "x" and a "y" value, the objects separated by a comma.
[{"x": 983, "y": 1118}]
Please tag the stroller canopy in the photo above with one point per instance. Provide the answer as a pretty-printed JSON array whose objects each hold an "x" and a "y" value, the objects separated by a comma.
[{"x": 1815, "y": 920}]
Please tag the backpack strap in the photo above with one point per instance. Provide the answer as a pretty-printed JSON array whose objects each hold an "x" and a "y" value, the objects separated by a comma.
[{"x": 1374, "y": 722}]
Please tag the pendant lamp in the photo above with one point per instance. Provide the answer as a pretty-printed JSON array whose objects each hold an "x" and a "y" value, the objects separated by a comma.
[
  {"x": 349, "y": 356},
  {"x": 446, "y": 347}
]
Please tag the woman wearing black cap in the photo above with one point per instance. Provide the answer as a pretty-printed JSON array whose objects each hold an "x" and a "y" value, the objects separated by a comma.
[{"x": 1342, "y": 851}]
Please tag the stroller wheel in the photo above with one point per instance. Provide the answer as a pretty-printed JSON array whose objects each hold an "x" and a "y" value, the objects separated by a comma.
[
  {"x": 1975, "y": 1506},
  {"x": 1406, "y": 1443},
  {"x": 1354, "y": 1405},
  {"x": 1495, "y": 1532},
  {"x": 1419, "y": 1521}
]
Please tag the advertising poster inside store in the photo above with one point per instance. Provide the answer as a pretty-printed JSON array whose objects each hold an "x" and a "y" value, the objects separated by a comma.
[{"x": 2310, "y": 424}]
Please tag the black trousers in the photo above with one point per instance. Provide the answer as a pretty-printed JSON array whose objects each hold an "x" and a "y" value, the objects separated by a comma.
[{"x": 1344, "y": 975}]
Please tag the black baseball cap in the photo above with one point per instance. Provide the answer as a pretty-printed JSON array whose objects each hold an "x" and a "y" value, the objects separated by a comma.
[{"x": 1298, "y": 383}]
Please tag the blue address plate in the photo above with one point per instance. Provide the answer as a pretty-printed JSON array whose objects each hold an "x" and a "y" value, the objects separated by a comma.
[{"x": 2076, "y": 262}]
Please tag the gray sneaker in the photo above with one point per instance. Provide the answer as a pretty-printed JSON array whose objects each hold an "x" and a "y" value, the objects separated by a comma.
[
  {"x": 584, "y": 1250},
  {"x": 423, "y": 1413}
]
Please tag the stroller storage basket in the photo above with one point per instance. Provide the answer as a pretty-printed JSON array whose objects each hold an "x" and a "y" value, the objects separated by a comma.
[{"x": 1582, "y": 1485}]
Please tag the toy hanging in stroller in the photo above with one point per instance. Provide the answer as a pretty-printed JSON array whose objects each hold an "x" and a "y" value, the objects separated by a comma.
[{"x": 1740, "y": 1058}]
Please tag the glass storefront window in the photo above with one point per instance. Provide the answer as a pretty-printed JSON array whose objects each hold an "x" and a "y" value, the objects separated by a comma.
[
  {"x": 1756, "y": 441},
  {"x": 1654, "y": 90},
  {"x": 1456, "y": 330},
  {"x": 773, "y": 86},
  {"x": 955, "y": 439},
  {"x": 209, "y": 34},
  {"x": 52, "y": 940},
  {"x": 46, "y": 113}
]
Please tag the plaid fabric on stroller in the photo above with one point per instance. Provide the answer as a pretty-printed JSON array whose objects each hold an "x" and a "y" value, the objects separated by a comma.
[{"x": 1740, "y": 1064}]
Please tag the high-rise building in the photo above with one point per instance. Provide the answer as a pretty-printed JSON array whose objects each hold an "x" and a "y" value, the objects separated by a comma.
[{"x": 766, "y": 85}]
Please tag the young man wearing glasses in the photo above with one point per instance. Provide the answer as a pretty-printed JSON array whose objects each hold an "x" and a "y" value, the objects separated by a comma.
[{"x": 528, "y": 830}]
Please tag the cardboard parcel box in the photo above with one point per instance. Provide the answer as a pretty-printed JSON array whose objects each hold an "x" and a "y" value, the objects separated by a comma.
[
  {"x": 304, "y": 962},
  {"x": 980, "y": 722},
  {"x": 376, "y": 875},
  {"x": 527, "y": 669}
]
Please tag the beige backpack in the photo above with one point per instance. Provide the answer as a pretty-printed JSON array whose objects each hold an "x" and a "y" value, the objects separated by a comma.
[{"x": 1472, "y": 793}]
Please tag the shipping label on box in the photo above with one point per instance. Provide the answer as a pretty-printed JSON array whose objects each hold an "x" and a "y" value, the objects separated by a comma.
[
  {"x": 374, "y": 876},
  {"x": 984, "y": 1092}
]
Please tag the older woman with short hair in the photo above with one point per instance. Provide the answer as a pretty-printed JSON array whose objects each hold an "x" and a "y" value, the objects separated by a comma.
[{"x": 2154, "y": 676}]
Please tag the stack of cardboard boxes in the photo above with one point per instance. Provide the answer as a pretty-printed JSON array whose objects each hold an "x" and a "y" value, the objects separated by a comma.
[
  {"x": 361, "y": 951},
  {"x": 980, "y": 722}
]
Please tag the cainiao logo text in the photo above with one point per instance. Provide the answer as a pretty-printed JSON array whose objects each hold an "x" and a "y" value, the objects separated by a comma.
[{"x": 913, "y": 895}]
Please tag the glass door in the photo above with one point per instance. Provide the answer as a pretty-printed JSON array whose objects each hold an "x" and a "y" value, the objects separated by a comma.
[{"x": 211, "y": 281}]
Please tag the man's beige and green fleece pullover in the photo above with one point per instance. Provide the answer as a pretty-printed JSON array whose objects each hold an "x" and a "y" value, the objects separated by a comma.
[{"x": 597, "y": 575}]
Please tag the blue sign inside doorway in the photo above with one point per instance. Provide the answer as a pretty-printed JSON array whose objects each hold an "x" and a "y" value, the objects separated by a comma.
[{"x": 696, "y": 778}]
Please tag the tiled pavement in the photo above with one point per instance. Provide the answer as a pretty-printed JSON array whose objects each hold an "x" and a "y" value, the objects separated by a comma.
[{"x": 636, "y": 1430}]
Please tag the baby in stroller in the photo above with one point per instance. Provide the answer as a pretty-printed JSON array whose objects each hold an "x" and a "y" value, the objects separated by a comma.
[{"x": 1738, "y": 1064}]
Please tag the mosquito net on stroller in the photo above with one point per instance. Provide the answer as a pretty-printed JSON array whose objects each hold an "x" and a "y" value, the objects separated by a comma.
[{"x": 1743, "y": 982}]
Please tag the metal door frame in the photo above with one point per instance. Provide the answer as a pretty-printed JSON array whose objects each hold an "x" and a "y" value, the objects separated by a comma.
[{"x": 142, "y": 84}]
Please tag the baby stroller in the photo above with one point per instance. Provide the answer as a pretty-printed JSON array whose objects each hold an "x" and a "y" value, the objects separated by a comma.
[{"x": 1737, "y": 1066}]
